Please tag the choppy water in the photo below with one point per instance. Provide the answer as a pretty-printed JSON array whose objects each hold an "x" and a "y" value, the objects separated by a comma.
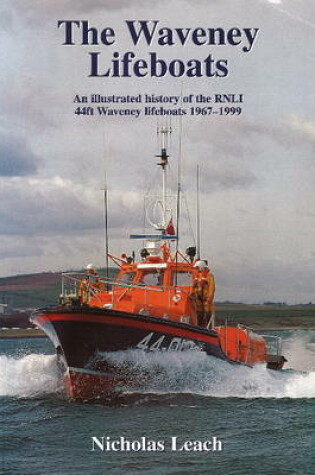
[{"x": 265, "y": 419}]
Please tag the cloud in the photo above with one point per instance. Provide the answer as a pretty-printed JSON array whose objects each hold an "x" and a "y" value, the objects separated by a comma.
[
  {"x": 271, "y": 277},
  {"x": 34, "y": 102},
  {"x": 47, "y": 8},
  {"x": 305, "y": 129},
  {"x": 38, "y": 206},
  {"x": 220, "y": 175},
  {"x": 292, "y": 15},
  {"x": 19, "y": 247},
  {"x": 16, "y": 157},
  {"x": 58, "y": 224},
  {"x": 49, "y": 207},
  {"x": 6, "y": 19}
]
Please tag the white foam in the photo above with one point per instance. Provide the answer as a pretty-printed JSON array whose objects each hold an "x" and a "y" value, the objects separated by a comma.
[
  {"x": 180, "y": 372},
  {"x": 28, "y": 376},
  {"x": 300, "y": 351},
  {"x": 195, "y": 372}
]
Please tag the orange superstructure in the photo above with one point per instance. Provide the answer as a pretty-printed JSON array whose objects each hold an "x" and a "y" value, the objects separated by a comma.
[
  {"x": 241, "y": 344},
  {"x": 162, "y": 289},
  {"x": 175, "y": 291}
]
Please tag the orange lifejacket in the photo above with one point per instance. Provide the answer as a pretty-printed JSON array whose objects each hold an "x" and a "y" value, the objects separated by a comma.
[
  {"x": 84, "y": 290},
  {"x": 203, "y": 290},
  {"x": 88, "y": 286}
]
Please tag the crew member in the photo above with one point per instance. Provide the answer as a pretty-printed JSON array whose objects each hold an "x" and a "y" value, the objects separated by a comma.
[
  {"x": 203, "y": 293},
  {"x": 88, "y": 284}
]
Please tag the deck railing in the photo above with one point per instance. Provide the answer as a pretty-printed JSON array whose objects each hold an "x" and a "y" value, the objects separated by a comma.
[
  {"x": 274, "y": 344},
  {"x": 71, "y": 282}
]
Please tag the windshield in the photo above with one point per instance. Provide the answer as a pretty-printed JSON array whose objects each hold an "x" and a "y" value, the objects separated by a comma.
[
  {"x": 126, "y": 278},
  {"x": 182, "y": 278},
  {"x": 152, "y": 278}
]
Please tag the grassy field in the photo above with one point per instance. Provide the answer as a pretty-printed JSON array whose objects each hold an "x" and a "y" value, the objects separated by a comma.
[{"x": 268, "y": 316}]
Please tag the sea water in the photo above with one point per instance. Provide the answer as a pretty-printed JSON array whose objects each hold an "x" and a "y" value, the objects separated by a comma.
[{"x": 232, "y": 419}]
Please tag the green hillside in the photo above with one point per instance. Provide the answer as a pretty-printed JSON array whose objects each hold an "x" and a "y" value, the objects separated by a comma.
[{"x": 34, "y": 290}]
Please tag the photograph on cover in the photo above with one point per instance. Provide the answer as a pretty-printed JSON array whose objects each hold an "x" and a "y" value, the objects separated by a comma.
[{"x": 157, "y": 172}]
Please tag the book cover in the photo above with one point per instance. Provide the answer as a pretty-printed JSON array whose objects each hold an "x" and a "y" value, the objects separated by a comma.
[{"x": 85, "y": 86}]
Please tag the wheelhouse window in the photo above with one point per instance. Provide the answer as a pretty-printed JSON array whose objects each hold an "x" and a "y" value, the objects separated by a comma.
[
  {"x": 152, "y": 278},
  {"x": 126, "y": 278},
  {"x": 182, "y": 278}
]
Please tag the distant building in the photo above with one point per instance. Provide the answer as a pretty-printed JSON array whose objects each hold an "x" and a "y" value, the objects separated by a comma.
[{"x": 3, "y": 308}]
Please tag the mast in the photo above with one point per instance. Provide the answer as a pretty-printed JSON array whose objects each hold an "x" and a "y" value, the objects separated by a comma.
[
  {"x": 164, "y": 131},
  {"x": 178, "y": 197},
  {"x": 162, "y": 224},
  {"x": 106, "y": 233}
]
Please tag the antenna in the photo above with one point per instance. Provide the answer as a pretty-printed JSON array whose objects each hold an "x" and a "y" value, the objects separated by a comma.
[
  {"x": 198, "y": 214},
  {"x": 178, "y": 183},
  {"x": 106, "y": 212},
  {"x": 179, "y": 163},
  {"x": 106, "y": 231}
]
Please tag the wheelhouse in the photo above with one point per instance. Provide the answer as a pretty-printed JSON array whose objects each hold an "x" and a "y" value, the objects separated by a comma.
[{"x": 156, "y": 288}]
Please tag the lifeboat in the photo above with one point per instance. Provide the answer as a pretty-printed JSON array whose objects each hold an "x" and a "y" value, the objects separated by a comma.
[{"x": 162, "y": 302}]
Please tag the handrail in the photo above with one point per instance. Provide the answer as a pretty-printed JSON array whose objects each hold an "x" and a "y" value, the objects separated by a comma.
[
  {"x": 272, "y": 338},
  {"x": 103, "y": 280},
  {"x": 77, "y": 277}
]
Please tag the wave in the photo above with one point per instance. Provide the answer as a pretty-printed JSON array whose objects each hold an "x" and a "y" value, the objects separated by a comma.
[
  {"x": 195, "y": 372},
  {"x": 190, "y": 372},
  {"x": 28, "y": 376},
  {"x": 299, "y": 350}
]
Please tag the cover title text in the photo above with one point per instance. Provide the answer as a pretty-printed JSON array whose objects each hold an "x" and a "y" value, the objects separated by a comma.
[{"x": 149, "y": 33}]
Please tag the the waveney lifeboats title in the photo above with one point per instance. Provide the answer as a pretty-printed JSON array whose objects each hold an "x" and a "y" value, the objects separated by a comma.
[{"x": 149, "y": 33}]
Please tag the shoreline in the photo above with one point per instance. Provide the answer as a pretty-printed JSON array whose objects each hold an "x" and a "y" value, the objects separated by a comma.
[
  {"x": 6, "y": 334},
  {"x": 13, "y": 334}
]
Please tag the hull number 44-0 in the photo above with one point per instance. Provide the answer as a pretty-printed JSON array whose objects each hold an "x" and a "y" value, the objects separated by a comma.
[{"x": 153, "y": 343}]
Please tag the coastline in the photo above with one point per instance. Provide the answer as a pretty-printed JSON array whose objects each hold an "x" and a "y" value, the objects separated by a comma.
[
  {"x": 21, "y": 333},
  {"x": 34, "y": 333}
]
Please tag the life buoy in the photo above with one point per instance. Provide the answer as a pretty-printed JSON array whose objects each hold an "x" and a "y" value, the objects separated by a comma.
[{"x": 177, "y": 297}]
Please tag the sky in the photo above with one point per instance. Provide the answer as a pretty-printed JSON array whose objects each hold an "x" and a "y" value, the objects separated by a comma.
[{"x": 257, "y": 168}]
